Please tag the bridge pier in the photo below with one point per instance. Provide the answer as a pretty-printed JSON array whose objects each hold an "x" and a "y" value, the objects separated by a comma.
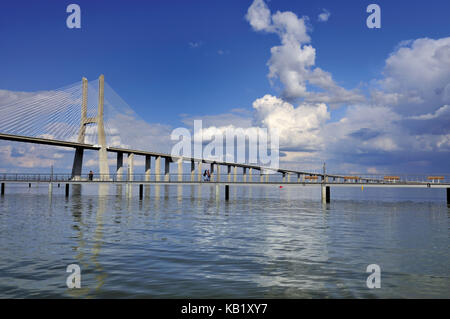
[
  {"x": 211, "y": 171},
  {"x": 229, "y": 173},
  {"x": 244, "y": 174},
  {"x": 103, "y": 153},
  {"x": 261, "y": 176},
  {"x": 199, "y": 171},
  {"x": 218, "y": 173},
  {"x": 180, "y": 169},
  {"x": 119, "y": 170},
  {"x": 78, "y": 158},
  {"x": 235, "y": 174},
  {"x": 148, "y": 169},
  {"x": 157, "y": 168},
  {"x": 325, "y": 193},
  {"x": 192, "y": 171},
  {"x": 130, "y": 166},
  {"x": 167, "y": 169},
  {"x": 77, "y": 163},
  {"x": 67, "y": 190},
  {"x": 284, "y": 177},
  {"x": 3, "y": 189},
  {"x": 288, "y": 177},
  {"x": 227, "y": 192}
]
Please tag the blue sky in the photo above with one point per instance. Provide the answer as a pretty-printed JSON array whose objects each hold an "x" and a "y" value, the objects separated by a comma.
[{"x": 203, "y": 58}]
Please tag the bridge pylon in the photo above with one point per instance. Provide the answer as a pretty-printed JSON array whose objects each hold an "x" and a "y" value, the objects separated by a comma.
[{"x": 103, "y": 154}]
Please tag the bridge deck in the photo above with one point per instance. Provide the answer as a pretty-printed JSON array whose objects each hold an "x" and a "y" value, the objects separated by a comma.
[{"x": 284, "y": 184}]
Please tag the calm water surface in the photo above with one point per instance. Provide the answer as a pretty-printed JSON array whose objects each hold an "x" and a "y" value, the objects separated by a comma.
[{"x": 181, "y": 242}]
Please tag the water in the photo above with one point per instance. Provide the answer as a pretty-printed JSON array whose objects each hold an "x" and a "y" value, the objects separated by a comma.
[{"x": 266, "y": 242}]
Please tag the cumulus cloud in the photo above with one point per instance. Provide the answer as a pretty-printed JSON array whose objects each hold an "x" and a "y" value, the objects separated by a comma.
[
  {"x": 324, "y": 16},
  {"x": 292, "y": 62},
  {"x": 407, "y": 111},
  {"x": 416, "y": 77},
  {"x": 299, "y": 127},
  {"x": 442, "y": 111},
  {"x": 259, "y": 16}
]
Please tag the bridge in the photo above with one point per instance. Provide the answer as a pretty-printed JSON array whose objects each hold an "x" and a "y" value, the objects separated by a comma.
[{"x": 22, "y": 126}]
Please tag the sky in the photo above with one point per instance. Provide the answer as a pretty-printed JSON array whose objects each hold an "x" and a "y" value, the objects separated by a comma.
[{"x": 360, "y": 99}]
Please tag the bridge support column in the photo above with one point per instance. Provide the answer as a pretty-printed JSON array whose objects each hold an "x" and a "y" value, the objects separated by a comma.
[
  {"x": 199, "y": 169},
  {"x": 130, "y": 166},
  {"x": 284, "y": 177},
  {"x": 288, "y": 177},
  {"x": 103, "y": 154},
  {"x": 261, "y": 176},
  {"x": 180, "y": 169},
  {"x": 267, "y": 178},
  {"x": 235, "y": 174},
  {"x": 3, "y": 189},
  {"x": 67, "y": 190},
  {"x": 229, "y": 173},
  {"x": 298, "y": 178},
  {"x": 78, "y": 158},
  {"x": 217, "y": 173},
  {"x": 250, "y": 175},
  {"x": 192, "y": 171},
  {"x": 77, "y": 163},
  {"x": 166, "y": 169},
  {"x": 211, "y": 171},
  {"x": 119, "y": 170},
  {"x": 148, "y": 167},
  {"x": 104, "y": 168},
  {"x": 325, "y": 193},
  {"x": 227, "y": 192},
  {"x": 157, "y": 168},
  {"x": 244, "y": 174}
]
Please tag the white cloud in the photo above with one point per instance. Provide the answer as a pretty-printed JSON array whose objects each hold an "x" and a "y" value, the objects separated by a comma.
[
  {"x": 417, "y": 77},
  {"x": 292, "y": 62},
  {"x": 259, "y": 15},
  {"x": 324, "y": 16},
  {"x": 407, "y": 111},
  {"x": 299, "y": 127},
  {"x": 195, "y": 44},
  {"x": 444, "y": 110}
]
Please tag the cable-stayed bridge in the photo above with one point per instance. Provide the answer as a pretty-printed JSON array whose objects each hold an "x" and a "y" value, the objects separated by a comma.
[{"x": 74, "y": 117}]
